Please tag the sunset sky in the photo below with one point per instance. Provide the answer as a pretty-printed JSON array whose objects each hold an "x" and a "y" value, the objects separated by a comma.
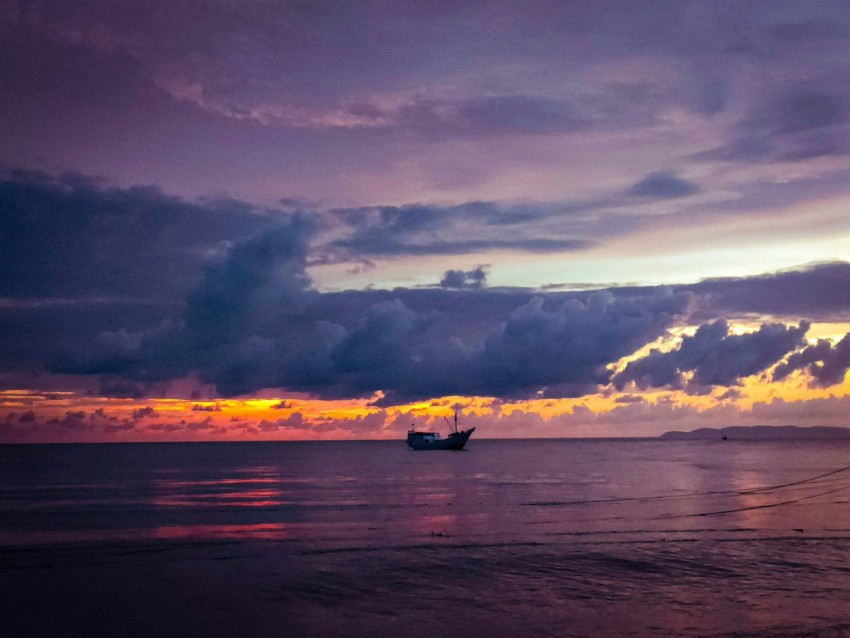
[{"x": 234, "y": 220}]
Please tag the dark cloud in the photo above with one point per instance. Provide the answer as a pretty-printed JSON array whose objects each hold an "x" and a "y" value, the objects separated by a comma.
[
  {"x": 567, "y": 351},
  {"x": 462, "y": 247},
  {"x": 729, "y": 395},
  {"x": 73, "y": 420},
  {"x": 820, "y": 291},
  {"x": 826, "y": 363},
  {"x": 663, "y": 185},
  {"x": 27, "y": 417},
  {"x": 492, "y": 116},
  {"x": 815, "y": 29},
  {"x": 811, "y": 110},
  {"x": 254, "y": 322},
  {"x": 82, "y": 263},
  {"x": 629, "y": 398},
  {"x": 146, "y": 412},
  {"x": 206, "y": 424},
  {"x": 474, "y": 279},
  {"x": 69, "y": 238},
  {"x": 123, "y": 426},
  {"x": 472, "y": 227},
  {"x": 241, "y": 312},
  {"x": 294, "y": 421},
  {"x": 264, "y": 272},
  {"x": 206, "y": 408},
  {"x": 794, "y": 125},
  {"x": 167, "y": 427},
  {"x": 100, "y": 414},
  {"x": 714, "y": 356},
  {"x": 122, "y": 389}
]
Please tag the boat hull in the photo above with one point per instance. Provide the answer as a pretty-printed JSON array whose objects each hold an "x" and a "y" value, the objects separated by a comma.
[{"x": 451, "y": 442}]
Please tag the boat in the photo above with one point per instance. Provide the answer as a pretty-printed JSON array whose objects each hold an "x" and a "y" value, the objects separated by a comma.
[{"x": 430, "y": 440}]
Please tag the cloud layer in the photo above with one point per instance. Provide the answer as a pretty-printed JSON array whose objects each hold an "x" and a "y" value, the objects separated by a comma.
[{"x": 149, "y": 288}]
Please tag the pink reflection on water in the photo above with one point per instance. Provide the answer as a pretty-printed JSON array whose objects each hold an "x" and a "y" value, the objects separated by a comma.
[
  {"x": 273, "y": 531},
  {"x": 788, "y": 501},
  {"x": 173, "y": 484},
  {"x": 252, "y": 491},
  {"x": 248, "y": 498}
]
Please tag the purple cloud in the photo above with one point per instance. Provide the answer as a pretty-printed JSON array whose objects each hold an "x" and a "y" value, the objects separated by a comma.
[
  {"x": 663, "y": 185},
  {"x": 826, "y": 363},
  {"x": 714, "y": 356}
]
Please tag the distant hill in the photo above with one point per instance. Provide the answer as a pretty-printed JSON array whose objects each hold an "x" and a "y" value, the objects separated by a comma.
[{"x": 743, "y": 432}]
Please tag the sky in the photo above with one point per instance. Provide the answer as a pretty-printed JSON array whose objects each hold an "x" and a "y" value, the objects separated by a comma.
[{"x": 329, "y": 220}]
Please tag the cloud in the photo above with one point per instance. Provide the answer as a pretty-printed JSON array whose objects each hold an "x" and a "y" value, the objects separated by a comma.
[
  {"x": 729, "y": 395},
  {"x": 231, "y": 301},
  {"x": 559, "y": 351},
  {"x": 73, "y": 420},
  {"x": 255, "y": 322},
  {"x": 146, "y": 412},
  {"x": 206, "y": 408},
  {"x": 205, "y": 425},
  {"x": 252, "y": 319},
  {"x": 795, "y": 124},
  {"x": 714, "y": 356},
  {"x": 663, "y": 185},
  {"x": 567, "y": 351},
  {"x": 472, "y": 227},
  {"x": 242, "y": 95},
  {"x": 70, "y": 238},
  {"x": 121, "y": 388},
  {"x": 266, "y": 270},
  {"x": 474, "y": 279},
  {"x": 826, "y": 363},
  {"x": 820, "y": 291},
  {"x": 167, "y": 427},
  {"x": 492, "y": 115},
  {"x": 294, "y": 421},
  {"x": 124, "y": 426},
  {"x": 629, "y": 398}
]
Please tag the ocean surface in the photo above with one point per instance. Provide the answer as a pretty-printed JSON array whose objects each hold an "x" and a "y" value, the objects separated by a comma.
[{"x": 506, "y": 538}]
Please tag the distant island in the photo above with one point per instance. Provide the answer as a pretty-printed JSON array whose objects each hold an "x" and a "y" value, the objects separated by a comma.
[{"x": 742, "y": 432}]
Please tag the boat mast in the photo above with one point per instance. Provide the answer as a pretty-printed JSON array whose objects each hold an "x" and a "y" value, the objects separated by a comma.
[{"x": 450, "y": 423}]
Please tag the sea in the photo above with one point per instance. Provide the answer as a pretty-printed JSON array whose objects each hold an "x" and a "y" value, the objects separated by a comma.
[{"x": 639, "y": 537}]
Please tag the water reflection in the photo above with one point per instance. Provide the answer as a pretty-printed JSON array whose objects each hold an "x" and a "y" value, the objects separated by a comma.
[
  {"x": 538, "y": 491},
  {"x": 241, "y": 499},
  {"x": 269, "y": 531}
]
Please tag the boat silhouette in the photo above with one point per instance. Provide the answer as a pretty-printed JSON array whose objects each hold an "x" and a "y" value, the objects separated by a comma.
[{"x": 431, "y": 440}]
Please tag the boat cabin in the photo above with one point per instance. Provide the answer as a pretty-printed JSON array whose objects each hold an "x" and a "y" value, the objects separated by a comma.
[{"x": 424, "y": 437}]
